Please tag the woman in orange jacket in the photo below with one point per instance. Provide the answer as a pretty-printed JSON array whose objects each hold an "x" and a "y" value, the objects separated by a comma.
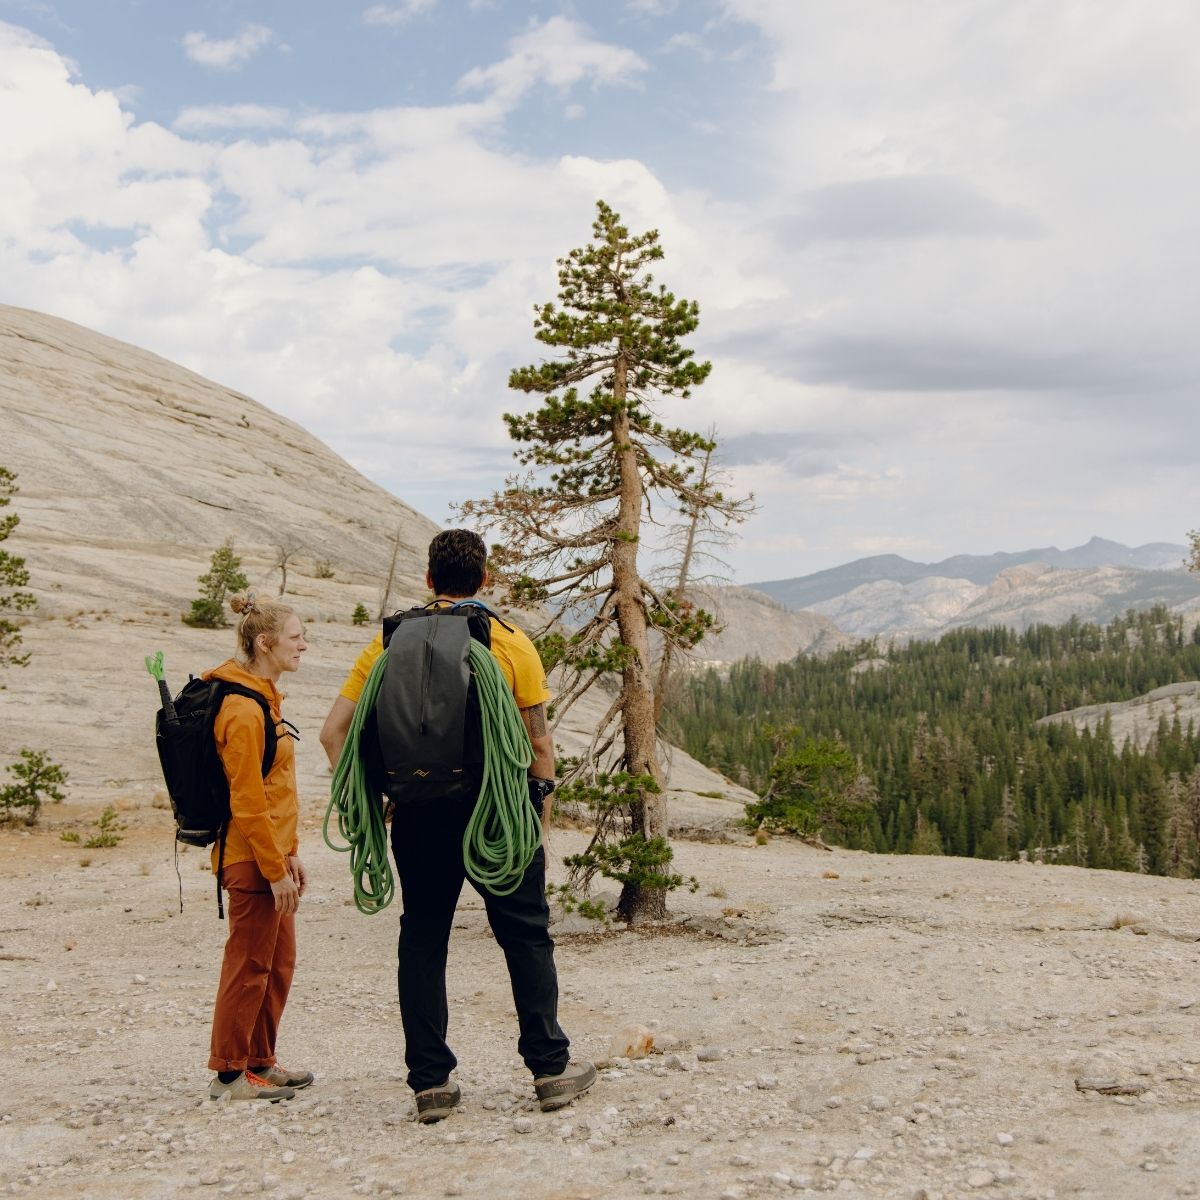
[{"x": 260, "y": 867}]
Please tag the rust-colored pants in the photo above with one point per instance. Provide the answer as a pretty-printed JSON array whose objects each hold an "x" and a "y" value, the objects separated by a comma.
[{"x": 256, "y": 974}]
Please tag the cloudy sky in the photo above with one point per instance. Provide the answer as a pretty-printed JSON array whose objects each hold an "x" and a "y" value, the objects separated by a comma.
[{"x": 946, "y": 251}]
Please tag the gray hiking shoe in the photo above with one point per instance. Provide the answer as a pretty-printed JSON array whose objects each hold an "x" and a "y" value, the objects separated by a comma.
[
  {"x": 556, "y": 1091},
  {"x": 248, "y": 1086},
  {"x": 279, "y": 1076},
  {"x": 435, "y": 1103}
]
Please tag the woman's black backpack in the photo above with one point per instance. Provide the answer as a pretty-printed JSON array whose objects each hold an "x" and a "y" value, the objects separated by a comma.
[{"x": 187, "y": 750}]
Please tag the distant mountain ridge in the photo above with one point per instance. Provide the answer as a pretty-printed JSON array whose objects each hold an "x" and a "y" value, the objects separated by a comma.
[
  {"x": 1031, "y": 594},
  {"x": 807, "y": 591}
]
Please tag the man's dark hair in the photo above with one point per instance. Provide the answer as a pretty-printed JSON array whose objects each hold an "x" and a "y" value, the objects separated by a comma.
[{"x": 457, "y": 562}]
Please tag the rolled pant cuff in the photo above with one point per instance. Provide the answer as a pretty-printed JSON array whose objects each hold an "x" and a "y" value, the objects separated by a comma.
[{"x": 226, "y": 1064}]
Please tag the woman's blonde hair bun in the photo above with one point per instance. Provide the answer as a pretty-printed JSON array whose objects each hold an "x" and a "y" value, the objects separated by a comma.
[{"x": 257, "y": 616}]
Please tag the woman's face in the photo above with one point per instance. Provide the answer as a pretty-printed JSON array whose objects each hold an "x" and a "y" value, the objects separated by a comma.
[{"x": 285, "y": 654}]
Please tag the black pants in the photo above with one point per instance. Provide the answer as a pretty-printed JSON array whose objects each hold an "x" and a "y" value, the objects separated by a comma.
[{"x": 427, "y": 845}]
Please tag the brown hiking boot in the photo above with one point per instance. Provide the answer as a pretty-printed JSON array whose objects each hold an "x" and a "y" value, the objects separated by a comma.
[
  {"x": 435, "y": 1103},
  {"x": 557, "y": 1091}
]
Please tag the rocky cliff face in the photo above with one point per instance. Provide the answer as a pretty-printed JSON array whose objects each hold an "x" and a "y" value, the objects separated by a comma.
[
  {"x": 1136, "y": 720},
  {"x": 755, "y": 626},
  {"x": 132, "y": 470},
  {"x": 920, "y": 609}
]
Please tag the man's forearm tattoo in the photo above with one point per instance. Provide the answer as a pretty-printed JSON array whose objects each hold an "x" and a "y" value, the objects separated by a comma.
[{"x": 535, "y": 720}]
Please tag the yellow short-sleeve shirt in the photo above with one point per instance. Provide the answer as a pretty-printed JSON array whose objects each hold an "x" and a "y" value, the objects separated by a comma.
[{"x": 511, "y": 648}]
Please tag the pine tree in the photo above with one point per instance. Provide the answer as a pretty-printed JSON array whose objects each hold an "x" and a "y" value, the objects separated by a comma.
[
  {"x": 573, "y": 538},
  {"x": 37, "y": 780},
  {"x": 222, "y": 577},
  {"x": 927, "y": 838},
  {"x": 13, "y": 577}
]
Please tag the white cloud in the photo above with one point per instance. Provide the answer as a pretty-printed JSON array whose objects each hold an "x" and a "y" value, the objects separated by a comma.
[
  {"x": 651, "y": 8},
  {"x": 231, "y": 116},
  {"x": 691, "y": 42},
  {"x": 395, "y": 15},
  {"x": 227, "y": 54},
  {"x": 559, "y": 52},
  {"x": 925, "y": 298}
]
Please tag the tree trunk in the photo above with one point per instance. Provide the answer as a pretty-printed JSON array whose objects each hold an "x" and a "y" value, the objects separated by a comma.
[
  {"x": 649, "y": 815},
  {"x": 681, "y": 582},
  {"x": 391, "y": 575}
]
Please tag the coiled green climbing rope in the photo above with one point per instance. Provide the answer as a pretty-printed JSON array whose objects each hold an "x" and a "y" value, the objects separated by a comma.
[
  {"x": 504, "y": 831},
  {"x": 359, "y": 813}
]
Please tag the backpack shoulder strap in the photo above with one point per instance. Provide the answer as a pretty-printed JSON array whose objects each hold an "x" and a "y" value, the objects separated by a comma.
[{"x": 271, "y": 738}]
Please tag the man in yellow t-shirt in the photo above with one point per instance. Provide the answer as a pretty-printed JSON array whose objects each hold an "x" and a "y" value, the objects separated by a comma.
[{"x": 427, "y": 846}]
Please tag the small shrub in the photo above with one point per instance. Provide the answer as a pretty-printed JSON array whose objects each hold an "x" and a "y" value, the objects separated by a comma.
[
  {"x": 324, "y": 569},
  {"x": 816, "y": 788},
  {"x": 38, "y": 780},
  {"x": 360, "y": 616},
  {"x": 69, "y": 835},
  {"x": 107, "y": 831}
]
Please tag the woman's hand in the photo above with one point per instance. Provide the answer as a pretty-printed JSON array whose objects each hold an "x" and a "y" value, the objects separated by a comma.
[
  {"x": 298, "y": 873},
  {"x": 286, "y": 893}
]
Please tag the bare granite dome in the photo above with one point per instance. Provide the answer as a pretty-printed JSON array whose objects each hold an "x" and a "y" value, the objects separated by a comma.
[{"x": 118, "y": 450}]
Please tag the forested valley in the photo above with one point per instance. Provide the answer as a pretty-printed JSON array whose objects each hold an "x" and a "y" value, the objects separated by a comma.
[{"x": 944, "y": 749}]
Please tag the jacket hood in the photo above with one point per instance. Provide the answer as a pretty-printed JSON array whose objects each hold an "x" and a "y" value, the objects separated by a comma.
[{"x": 232, "y": 671}]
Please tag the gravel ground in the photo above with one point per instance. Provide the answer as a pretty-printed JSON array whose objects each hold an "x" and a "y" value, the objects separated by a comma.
[{"x": 914, "y": 1027}]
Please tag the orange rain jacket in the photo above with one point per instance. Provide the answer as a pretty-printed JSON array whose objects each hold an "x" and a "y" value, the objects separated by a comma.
[{"x": 264, "y": 813}]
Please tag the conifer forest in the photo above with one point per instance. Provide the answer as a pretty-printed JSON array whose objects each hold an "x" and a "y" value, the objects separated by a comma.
[{"x": 948, "y": 747}]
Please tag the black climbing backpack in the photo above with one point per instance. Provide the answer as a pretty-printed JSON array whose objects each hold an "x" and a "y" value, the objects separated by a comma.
[
  {"x": 424, "y": 740},
  {"x": 191, "y": 767}
]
